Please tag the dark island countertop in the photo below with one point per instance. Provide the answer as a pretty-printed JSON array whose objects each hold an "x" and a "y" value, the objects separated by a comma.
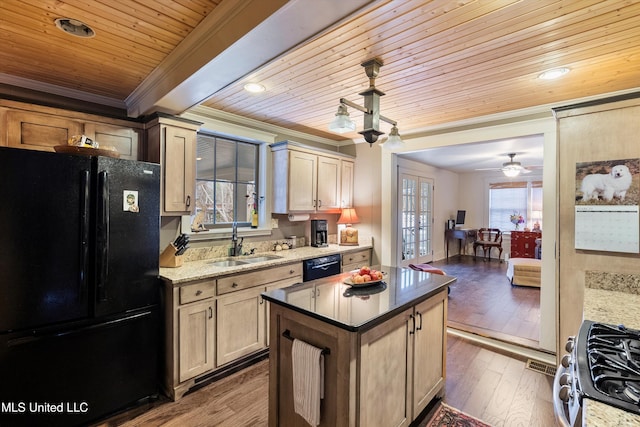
[{"x": 361, "y": 307}]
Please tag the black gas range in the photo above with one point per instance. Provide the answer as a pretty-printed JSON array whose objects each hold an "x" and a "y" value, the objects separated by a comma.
[{"x": 603, "y": 364}]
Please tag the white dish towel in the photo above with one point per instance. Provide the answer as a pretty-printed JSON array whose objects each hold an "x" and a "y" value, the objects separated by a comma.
[{"x": 308, "y": 380}]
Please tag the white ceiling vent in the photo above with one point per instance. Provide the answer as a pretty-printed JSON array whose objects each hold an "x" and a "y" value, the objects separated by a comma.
[{"x": 75, "y": 27}]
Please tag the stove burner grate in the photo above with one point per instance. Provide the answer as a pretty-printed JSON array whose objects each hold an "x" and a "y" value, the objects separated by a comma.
[{"x": 613, "y": 358}]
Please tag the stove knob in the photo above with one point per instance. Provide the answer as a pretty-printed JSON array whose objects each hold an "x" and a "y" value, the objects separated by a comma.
[
  {"x": 571, "y": 341},
  {"x": 566, "y": 360},
  {"x": 565, "y": 393},
  {"x": 565, "y": 379}
]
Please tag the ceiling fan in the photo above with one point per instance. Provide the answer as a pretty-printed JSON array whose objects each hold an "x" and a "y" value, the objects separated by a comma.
[{"x": 511, "y": 168}]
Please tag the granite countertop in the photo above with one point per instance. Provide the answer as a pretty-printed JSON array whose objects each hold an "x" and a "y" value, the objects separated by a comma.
[
  {"x": 364, "y": 306},
  {"x": 203, "y": 269},
  {"x": 611, "y": 298}
]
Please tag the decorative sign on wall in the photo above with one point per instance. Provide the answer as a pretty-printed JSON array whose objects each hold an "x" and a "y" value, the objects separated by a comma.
[{"x": 607, "y": 205}]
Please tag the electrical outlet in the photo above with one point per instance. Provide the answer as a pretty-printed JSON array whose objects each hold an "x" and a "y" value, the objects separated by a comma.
[{"x": 274, "y": 222}]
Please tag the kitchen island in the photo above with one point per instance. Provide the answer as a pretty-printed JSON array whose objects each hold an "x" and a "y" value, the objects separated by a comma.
[{"x": 384, "y": 344}]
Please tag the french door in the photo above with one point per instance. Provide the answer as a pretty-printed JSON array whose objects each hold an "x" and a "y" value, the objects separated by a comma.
[{"x": 415, "y": 211}]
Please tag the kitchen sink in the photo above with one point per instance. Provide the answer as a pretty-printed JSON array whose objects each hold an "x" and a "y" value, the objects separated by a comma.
[
  {"x": 261, "y": 258},
  {"x": 228, "y": 263}
]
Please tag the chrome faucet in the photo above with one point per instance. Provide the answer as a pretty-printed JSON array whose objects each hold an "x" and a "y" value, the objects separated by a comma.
[{"x": 236, "y": 249}]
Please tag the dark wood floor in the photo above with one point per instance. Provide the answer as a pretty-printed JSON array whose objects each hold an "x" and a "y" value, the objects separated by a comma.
[
  {"x": 488, "y": 385},
  {"x": 482, "y": 301}
]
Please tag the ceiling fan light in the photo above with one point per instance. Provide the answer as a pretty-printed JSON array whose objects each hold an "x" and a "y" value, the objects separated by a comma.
[
  {"x": 393, "y": 141},
  {"x": 511, "y": 172},
  {"x": 342, "y": 123}
]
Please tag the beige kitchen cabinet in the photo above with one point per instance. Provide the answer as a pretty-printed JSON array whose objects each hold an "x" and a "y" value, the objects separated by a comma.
[
  {"x": 124, "y": 139},
  {"x": 213, "y": 323},
  {"x": 355, "y": 260},
  {"x": 241, "y": 311},
  {"x": 40, "y": 131},
  {"x": 189, "y": 335},
  {"x": 346, "y": 182},
  {"x": 196, "y": 324},
  {"x": 240, "y": 325},
  {"x": 171, "y": 141},
  {"x": 412, "y": 345},
  {"x": 307, "y": 179},
  {"x": 36, "y": 127}
]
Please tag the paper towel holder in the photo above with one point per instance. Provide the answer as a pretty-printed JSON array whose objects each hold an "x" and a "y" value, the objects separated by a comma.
[{"x": 298, "y": 217}]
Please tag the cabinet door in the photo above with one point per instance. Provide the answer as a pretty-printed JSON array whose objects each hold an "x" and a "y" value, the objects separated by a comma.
[
  {"x": 302, "y": 181},
  {"x": 125, "y": 140},
  {"x": 346, "y": 182},
  {"x": 240, "y": 325},
  {"x": 196, "y": 339},
  {"x": 329, "y": 184},
  {"x": 36, "y": 131},
  {"x": 179, "y": 163},
  {"x": 386, "y": 354},
  {"x": 275, "y": 285},
  {"x": 429, "y": 351}
]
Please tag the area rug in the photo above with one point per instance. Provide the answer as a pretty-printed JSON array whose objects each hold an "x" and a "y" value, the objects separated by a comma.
[{"x": 446, "y": 416}]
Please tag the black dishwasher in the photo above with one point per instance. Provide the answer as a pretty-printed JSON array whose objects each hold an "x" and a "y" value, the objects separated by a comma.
[{"x": 317, "y": 268}]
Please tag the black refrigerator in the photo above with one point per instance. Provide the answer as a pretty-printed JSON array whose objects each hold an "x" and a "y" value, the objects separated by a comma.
[{"x": 80, "y": 324}]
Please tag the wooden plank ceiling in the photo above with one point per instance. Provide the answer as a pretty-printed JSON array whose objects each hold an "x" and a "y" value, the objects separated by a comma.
[{"x": 444, "y": 61}]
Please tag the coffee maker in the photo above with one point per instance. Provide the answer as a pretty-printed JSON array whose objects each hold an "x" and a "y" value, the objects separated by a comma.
[{"x": 319, "y": 233}]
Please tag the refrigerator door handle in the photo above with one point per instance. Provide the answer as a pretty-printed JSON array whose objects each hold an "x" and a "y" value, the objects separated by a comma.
[
  {"x": 84, "y": 231},
  {"x": 103, "y": 236}
]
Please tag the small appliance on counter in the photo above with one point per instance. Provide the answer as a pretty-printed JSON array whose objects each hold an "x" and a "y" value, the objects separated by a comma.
[{"x": 319, "y": 233}]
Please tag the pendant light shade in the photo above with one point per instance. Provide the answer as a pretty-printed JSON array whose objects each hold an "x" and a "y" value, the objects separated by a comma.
[
  {"x": 342, "y": 123},
  {"x": 393, "y": 141}
]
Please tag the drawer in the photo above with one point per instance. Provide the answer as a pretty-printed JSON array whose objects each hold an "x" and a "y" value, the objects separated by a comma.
[
  {"x": 360, "y": 257},
  {"x": 258, "y": 278},
  {"x": 197, "y": 291}
]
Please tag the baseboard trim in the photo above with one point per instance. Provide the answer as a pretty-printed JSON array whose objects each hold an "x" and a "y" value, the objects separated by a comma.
[{"x": 505, "y": 347}]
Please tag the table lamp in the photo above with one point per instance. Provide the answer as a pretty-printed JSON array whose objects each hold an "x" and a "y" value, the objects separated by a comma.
[{"x": 348, "y": 236}]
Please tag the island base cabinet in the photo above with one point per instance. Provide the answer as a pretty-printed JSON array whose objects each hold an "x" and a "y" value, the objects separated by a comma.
[
  {"x": 382, "y": 376},
  {"x": 385, "y": 358}
]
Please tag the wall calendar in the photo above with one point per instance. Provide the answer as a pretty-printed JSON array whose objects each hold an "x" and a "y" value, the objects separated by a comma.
[{"x": 607, "y": 206}]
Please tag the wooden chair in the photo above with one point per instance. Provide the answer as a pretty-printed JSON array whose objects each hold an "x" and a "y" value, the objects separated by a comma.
[{"x": 488, "y": 238}]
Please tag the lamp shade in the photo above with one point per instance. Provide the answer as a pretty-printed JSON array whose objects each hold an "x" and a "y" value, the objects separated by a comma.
[
  {"x": 511, "y": 172},
  {"x": 348, "y": 216},
  {"x": 342, "y": 123}
]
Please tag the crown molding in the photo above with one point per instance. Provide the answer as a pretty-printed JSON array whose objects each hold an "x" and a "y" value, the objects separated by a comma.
[
  {"x": 50, "y": 89},
  {"x": 229, "y": 119}
]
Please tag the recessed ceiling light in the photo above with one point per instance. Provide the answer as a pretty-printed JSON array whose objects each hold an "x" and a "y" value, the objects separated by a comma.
[
  {"x": 254, "y": 87},
  {"x": 75, "y": 27},
  {"x": 553, "y": 73}
]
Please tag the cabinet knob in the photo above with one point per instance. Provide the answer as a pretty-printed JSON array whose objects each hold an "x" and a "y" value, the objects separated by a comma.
[
  {"x": 188, "y": 201},
  {"x": 198, "y": 292},
  {"x": 234, "y": 285},
  {"x": 291, "y": 271}
]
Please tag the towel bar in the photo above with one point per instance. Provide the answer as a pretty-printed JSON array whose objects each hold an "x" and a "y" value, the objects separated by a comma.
[{"x": 287, "y": 335}]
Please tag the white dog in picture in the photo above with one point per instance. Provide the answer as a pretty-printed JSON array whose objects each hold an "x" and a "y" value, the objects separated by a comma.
[{"x": 609, "y": 185}]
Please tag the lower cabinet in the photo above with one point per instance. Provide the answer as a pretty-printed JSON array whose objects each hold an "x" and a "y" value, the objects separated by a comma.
[
  {"x": 196, "y": 324},
  {"x": 354, "y": 260},
  {"x": 214, "y": 322},
  {"x": 412, "y": 346},
  {"x": 240, "y": 326}
]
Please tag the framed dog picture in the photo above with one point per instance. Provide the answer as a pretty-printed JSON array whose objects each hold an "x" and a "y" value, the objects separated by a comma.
[{"x": 607, "y": 205}]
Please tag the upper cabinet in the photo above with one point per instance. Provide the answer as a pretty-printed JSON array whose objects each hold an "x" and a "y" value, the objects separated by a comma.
[
  {"x": 307, "y": 179},
  {"x": 35, "y": 127},
  {"x": 171, "y": 141}
]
